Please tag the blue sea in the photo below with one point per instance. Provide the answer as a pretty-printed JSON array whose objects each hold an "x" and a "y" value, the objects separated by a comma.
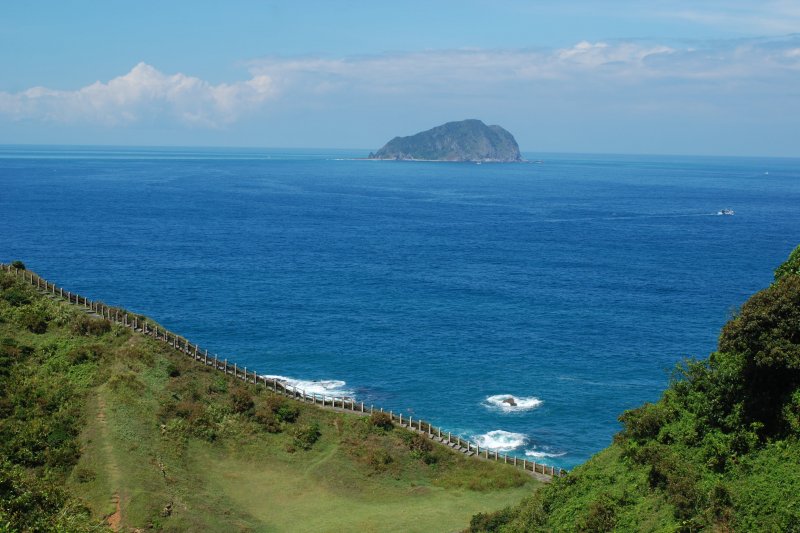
[{"x": 436, "y": 289}]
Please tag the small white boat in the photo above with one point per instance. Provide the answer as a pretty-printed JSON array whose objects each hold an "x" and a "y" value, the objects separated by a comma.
[{"x": 726, "y": 212}]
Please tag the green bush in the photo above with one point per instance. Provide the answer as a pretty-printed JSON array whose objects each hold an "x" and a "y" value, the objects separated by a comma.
[
  {"x": 84, "y": 474},
  {"x": 305, "y": 435},
  {"x": 601, "y": 515},
  {"x": 790, "y": 266},
  {"x": 378, "y": 459},
  {"x": 284, "y": 410},
  {"x": 86, "y": 325},
  {"x": 34, "y": 320},
  {"x": 172, "y": 370},
  {"x": 126, "y": 381},
  {"x": 644, "y": 422},
  {"x": 766, "y": 334},
  {"x": 489, "y": 522},
  {"x": 242, "y": 400},
  {"x": 266, "y": 417},
  {"x": 84, "y": 354},
  {"x": 19, "y": 265},
  {"x": 6, "y": 281},
  {"x": 16, "y": 296},
  {"x": 218, "y": 385},
  {"x": 381, "y": 420}
]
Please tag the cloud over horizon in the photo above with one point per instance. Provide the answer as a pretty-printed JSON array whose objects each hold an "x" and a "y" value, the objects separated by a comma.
[
  {"x": 629, "y": 86},
  {"x": 141, "y": 94}
]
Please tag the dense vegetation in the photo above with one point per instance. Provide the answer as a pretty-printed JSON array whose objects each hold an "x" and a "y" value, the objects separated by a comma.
[
  {"x": 720, "y": 451},
  {"x": 103, "y": 427}
]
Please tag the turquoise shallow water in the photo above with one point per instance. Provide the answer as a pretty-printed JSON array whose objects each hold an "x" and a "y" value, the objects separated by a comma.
[{"x": 436, "y": 289}]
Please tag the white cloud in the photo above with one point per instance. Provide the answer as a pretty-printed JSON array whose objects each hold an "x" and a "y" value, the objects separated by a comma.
[
  {"x": 141, "y": 94},
  {"x": 748, "y": 16},
  {"x": 625, "y": 73},
  {"x": 482, "y": 71}
]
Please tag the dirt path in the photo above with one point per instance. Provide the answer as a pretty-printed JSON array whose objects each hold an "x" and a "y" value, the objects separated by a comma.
[{"x": 114, "y": 518}]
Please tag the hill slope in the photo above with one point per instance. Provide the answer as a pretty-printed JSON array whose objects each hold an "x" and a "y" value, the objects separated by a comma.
[
  {"x": 720, "y": 451},
  {"x": 100, "y": 425},
  {"x": 467, "y": 140}
]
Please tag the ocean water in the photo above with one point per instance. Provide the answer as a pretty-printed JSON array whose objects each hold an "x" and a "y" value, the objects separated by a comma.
[{"x": 435, "y": 289}]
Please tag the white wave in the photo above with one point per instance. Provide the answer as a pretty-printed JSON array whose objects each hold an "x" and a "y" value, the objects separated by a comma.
[
  {"x": 540, "y": 454},
  {"x": 502, "y": 441},
  {"x": 327, "y": 387},
  {"x": 510, "y": 403}
]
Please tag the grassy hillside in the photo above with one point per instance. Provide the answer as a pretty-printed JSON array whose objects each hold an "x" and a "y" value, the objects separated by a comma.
[
  {"x": 720, "y": 451},
  {"x": 103, "y": 427}
]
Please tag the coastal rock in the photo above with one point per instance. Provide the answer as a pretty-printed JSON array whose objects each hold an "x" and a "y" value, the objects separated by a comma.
[
  {"x": 510, "y": 401},
  {"x": 467, "y": 140}
]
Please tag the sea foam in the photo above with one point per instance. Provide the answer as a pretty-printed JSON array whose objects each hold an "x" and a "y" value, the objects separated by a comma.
[
  {"x": 522, "y": 403},
  {"x": 327, "y": 387},
  {"x": 542, "y": 454},
  {"x": 502, "y": 441}
]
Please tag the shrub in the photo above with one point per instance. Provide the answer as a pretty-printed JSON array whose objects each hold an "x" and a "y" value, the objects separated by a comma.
[
  {"x": 84, "y": 474},
  {"x": 189, "y": 410},
  {"x": 242, "y": 401},
  {"x": 218, "y": 385},
  {"x": 127, "y": 380},
  {"x": 34, "y": 320},
  {"x": 172, "y": 370},
  {"x": 487, "y": 522},
  {"x": 11, "y": 352},
  {"x": 16, "y": 296},
  {"x": 305, "y": 435},
  {"x": 6, "y": 281},
  {"x": 86, "y": 325},
  {"x": 767, "y": 335},
  {"x": 379, "y": 459},
  {"x": 381, "y": 420},
  {"x": 266, "y": 417},
  {"x": 284, "y": 410},
  {"x": 790, "y": 266},
  {"x": 601, "y": 515},
  {"x": 644, "y": 422},
  {"x": 83, "y": 354},
  {"x": 675, "y": 476},
  {"x": 273, "y": 412},
  {"x": 418, "y": 443},
  {"x": 19, "y": 265}
]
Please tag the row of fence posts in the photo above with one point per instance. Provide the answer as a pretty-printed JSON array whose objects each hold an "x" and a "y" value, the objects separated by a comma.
[{"x": 141, "y": 324}]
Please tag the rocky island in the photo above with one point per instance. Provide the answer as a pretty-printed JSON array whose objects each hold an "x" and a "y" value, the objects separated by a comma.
[{"x": 466, "y": 140}]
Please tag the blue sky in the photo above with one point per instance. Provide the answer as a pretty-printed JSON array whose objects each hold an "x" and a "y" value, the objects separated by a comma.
[{"x": 585, "y": 76}]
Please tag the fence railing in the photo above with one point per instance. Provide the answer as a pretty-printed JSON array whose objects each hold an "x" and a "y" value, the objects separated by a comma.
[{"x": 202, "y": 356}]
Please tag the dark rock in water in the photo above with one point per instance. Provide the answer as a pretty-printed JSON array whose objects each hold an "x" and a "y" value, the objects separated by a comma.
[
  {"x": 467, "y": 140},
  {"x": 510, "y": 401}
]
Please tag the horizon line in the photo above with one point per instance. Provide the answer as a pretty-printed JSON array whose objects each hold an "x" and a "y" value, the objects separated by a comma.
[{"x": 366, "y": 150}]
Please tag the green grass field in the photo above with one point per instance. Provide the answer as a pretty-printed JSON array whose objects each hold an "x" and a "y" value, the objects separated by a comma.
[{"x": 149, "y": 439}]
